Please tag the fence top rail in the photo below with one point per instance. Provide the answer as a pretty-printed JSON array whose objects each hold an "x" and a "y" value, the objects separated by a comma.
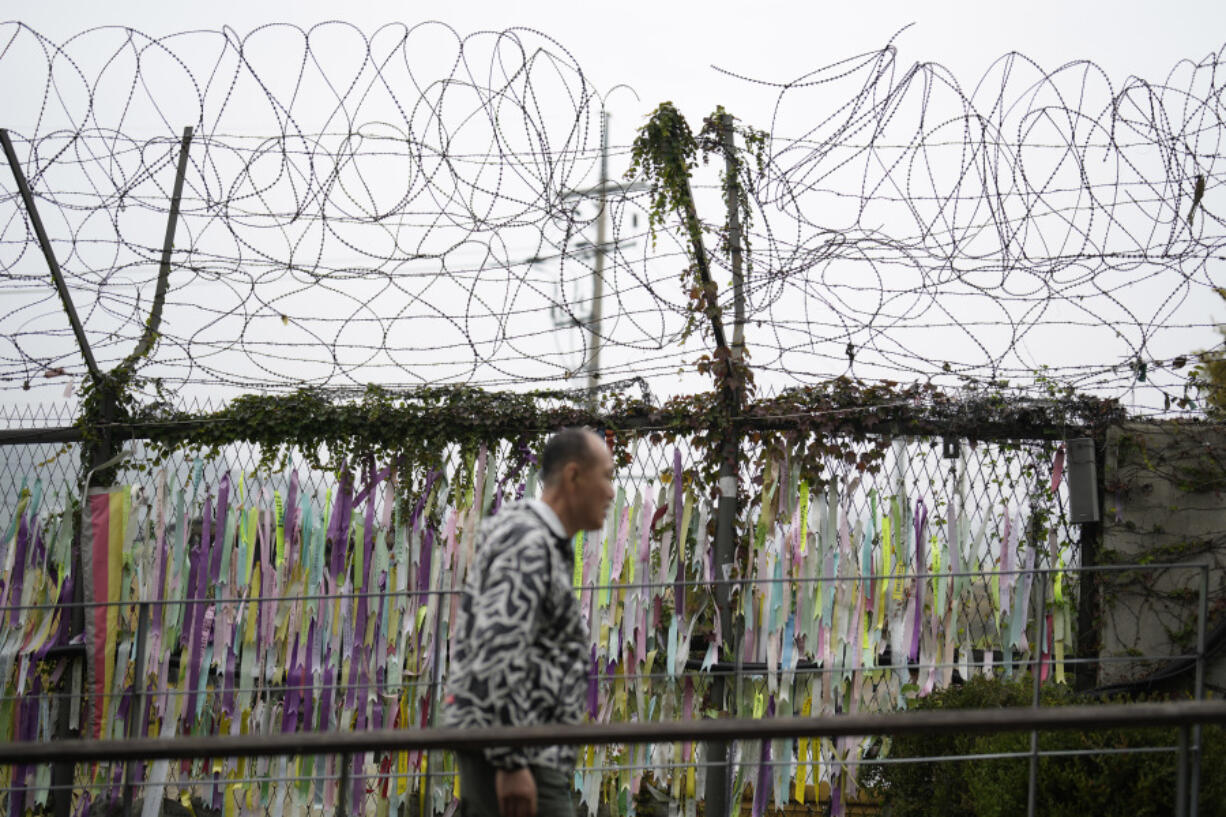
[
  {"x": 985, "y": 432},
  {"x": 688, "y": 583},
  {"x": 1019, "y": 719}
]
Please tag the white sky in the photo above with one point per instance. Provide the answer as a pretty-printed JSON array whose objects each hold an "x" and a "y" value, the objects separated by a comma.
[{"x": 665, "y": 51}]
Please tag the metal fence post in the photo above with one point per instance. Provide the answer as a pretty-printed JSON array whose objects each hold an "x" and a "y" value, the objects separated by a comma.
[
  {"x": 1201, "y": 625},
  {"x": 136, "y": 710},
  {"x": 1181, "y": 774},
  {"x": 62, "y": 775},
  {"x": 718, "y": 787},
  {"x": 1036, "y": 648},
  {"x": 342, "y": 796},
  {"x": 437, "y": 700},
  {"x": 1090, "y": 542}
]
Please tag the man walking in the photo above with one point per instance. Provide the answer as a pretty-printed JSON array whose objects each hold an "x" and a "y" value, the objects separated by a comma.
[{"x": 522, "y": 648}]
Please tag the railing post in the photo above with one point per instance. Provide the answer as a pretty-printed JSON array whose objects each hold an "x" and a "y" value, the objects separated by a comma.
[
  {"x": 1181, "y": 774},
  {"x": 342, "y": 796},
  {"x": 1036, "y": 649},
  {"x": 68, "y": 716},
  {"x": 1201, "y": 625},
  {"x": 426, "y": 781},
  {"x": 136, "y": 710}
]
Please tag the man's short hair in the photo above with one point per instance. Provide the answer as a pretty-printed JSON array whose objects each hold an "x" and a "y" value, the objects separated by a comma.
[{"x": 568, "y": 445}]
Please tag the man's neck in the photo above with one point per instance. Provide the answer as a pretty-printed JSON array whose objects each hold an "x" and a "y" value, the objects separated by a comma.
[{"x": 561, "y": 509}]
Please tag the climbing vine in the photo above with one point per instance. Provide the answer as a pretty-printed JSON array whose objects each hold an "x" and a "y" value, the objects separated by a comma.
[
  {"x": 664, "y": 153},
  {"x": 1206, "y": 379},
  {"x": 816, "y": 425},
  {"x": 1163, "y": 488}
]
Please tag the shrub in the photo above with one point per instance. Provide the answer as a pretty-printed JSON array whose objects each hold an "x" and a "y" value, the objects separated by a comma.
[{"x": 1104, "y": 785}]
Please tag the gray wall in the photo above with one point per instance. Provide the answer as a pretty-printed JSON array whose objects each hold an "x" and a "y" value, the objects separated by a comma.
[{"x": 1164, "y": 503}]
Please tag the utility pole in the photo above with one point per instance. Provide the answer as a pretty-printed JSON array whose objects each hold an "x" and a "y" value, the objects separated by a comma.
[
  {"x": 593, "y": 361},
  {"x": 596, "y": 310}
]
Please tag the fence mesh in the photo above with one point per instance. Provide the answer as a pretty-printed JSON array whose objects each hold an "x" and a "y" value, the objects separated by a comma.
[{"x": 286, "y": 597}]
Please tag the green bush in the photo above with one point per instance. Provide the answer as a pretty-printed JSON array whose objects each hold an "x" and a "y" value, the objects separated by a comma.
[{"x": 1103, "y": 785}]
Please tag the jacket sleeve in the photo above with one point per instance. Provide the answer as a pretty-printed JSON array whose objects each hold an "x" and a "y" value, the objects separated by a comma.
[{"x": 505, "y": 620}]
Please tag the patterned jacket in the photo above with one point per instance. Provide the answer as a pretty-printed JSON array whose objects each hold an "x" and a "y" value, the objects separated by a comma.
[{"x": 520, "y": 648}]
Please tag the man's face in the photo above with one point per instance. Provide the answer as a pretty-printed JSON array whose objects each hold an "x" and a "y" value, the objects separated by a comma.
[{"x": 594, "y": 486}]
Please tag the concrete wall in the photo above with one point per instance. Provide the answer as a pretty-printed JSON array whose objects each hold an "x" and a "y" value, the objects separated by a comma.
[{"x": 1164, "y": 502}]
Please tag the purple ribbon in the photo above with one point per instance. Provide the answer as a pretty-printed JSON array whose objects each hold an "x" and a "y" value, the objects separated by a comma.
[
  {"x": 325, "y": 696},
  {"x": 219, "y": 533},
  {"x": 194, "y": 637},
  {"x": 293, "y": 683},
  {"x": 61, "y": 633},
  {"x": 27, "y": 730},
  {"x": 921, "y": 524},
  {"x": 338, "y": 526},
  {"x": 414, "y": 517},
  {"x": 372, "y": 483},
  {"x": 762, "y": 785},
  {"x": 290, "y": 523}
]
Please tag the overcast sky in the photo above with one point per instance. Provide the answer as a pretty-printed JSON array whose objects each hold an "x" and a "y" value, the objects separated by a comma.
[{"x": 665, "y": 50}]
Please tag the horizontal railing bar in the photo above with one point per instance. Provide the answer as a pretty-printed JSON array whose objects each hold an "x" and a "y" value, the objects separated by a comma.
[
  {"x": 693, "y": 668},
  {"x": 688, "y": 583},
  {"x": 390, "y": 740},
  {"x": 390, "y": 777},
  {"x": 38, "y": 436}
]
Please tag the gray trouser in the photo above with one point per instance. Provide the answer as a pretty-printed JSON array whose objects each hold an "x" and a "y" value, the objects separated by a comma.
[{"x": 478, "y": 798}]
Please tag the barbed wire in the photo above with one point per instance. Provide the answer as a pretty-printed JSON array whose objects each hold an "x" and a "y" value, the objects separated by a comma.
[{"x": 416, "y": 206}]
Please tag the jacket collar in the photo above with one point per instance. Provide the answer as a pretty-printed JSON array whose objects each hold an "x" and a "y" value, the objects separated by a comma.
[{"x": 550, "y": 519}]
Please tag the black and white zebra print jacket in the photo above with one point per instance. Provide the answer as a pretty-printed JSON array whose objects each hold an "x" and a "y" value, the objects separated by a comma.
[{"x": 519, "y": 655}]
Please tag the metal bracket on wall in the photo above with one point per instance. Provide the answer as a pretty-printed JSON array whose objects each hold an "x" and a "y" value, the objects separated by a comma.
[{"x": 1082, "y": 475}]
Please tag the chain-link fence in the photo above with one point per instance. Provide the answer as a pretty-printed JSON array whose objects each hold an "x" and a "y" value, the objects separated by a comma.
[{"x": 251, "y": 597}]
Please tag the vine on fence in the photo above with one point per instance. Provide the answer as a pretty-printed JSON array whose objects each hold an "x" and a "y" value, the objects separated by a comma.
[
  {"x": 813, "y": 425},
  {"x": 665, "y": 153}
]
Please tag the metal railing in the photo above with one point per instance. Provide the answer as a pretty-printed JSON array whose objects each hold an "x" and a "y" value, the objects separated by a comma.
[{"x": 1184, "y": 715}]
